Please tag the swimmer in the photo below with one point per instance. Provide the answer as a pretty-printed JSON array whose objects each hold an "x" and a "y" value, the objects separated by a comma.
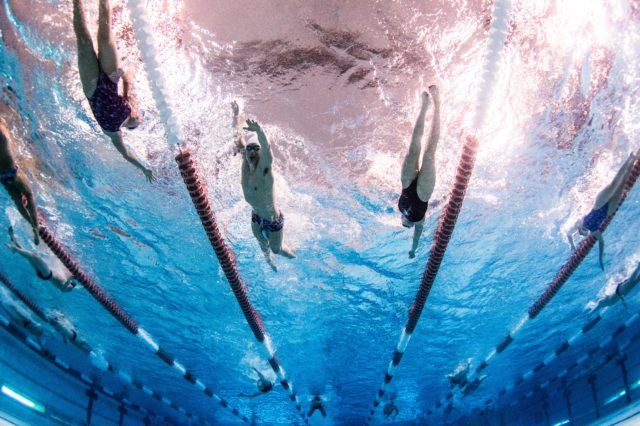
[
  {"x": 19, "y": 315},
  {"x": 459, "y": 375},
  {"x": 67, "y": 330},
  {"x": 15, "y": 182},
  {"x": 316, "y": 404},
  {"x": 606, "y": 204},
  {"x": 390, "y": 409},
  {"x": 418, "y": 180},
  {"x": 62, "y": 280},
  {"x": 264, "y": 386},
  {"x": 100, "y": 74},
  {"x": 267, "y": 221},
  {"x": 622, "y": 289}
]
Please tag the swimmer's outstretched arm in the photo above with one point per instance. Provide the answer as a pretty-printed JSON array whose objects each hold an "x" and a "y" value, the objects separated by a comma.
[
  {"x": 253, "y": 395},
  {"x": 261, "y": 376},
  {"x": 129, "y": 90},
  {"x": 416, "y": 239},
  {"x": 265, "y": 156},
  {"x": 116, "y": 139},
  {"x": 571, "y": 232}
]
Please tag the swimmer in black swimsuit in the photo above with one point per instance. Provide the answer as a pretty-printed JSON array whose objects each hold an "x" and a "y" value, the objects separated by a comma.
[
  {"x": 100, "y": 75},
  {"x": 61, "y": 280},
  {"x": 264, "y": 386},
  {"x": 316, "y": 404},
  {"x": 67, "y": 330},
  {"x": 418, "y": 180},
  {"x": 15, "y": 182}
]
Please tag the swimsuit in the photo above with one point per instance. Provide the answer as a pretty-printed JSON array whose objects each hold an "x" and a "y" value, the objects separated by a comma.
[
  {"x": 410, "y": 205},
  {"x": 42, "y": 277},
  {"x": 109, "y": 108},
  {"x": 8, "y": 177},
  {"x": 594, "y": 219},
  {"x": 266, "y": 225}
]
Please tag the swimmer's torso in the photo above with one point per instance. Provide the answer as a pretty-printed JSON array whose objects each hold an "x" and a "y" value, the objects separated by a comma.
[{"x": 257, "y": 188}]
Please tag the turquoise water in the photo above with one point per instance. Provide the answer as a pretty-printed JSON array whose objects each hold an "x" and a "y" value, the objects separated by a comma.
[{"x": 336, "y": 88}]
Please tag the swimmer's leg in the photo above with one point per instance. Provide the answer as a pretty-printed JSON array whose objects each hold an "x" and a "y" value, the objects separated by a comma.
[
  {"x": 87, "y": 59},
  {"x": 107, "y": 52},
  {"x": 264, "y": 244},
  {"x": 411, "y": 165},
  {"x": 322, "y": 411},
  {"x": 427, "y": 175},
  {"x": 277, "y": 247}
]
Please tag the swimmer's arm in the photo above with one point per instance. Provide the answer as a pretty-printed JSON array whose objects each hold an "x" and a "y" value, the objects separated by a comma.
[
  {"x": 25, "y": 189},
  {"x": 416, "y": 239},
  {"x": 116, "y": 139},
  {"x": 127, "y": 86},
  {"x": 260, "y": 375},
  {"x": 265, "y": 148},
  {"x": 571, "y": 232},
  {"x": 570, "y": 238},
  {"x": 600, "y": 238},
  {"x": 265, "y": 157},
  {"x": 253, "y": 395}
]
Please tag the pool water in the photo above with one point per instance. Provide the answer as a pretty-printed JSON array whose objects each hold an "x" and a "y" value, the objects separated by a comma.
[{"x": 336, "y": 87}]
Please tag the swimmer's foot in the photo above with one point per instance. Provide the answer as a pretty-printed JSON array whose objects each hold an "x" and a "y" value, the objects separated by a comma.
[
  {"x": 435, "y": 93},
  {"x": 425, "y": 101},
  {"x": 271, "y": 263},
  {"x": 288, "y": 253}
]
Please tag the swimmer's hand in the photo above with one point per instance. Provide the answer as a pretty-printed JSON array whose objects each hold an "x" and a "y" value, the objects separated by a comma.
[
  {"x": 148, "y": 174},
  {"x": 239, "y": 146},
  {"x": 253, "y": 126},
  {"x": 235, "y": 108},
  {"x": 412, "y": 254}
]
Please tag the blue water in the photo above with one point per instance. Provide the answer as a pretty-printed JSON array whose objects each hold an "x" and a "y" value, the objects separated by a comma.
[{"x": 561, "y": 119}]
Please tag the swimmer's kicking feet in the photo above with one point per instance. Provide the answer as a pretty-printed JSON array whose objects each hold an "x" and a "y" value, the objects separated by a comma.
[
  {"x": 267, "y": 221},
  {"x": 100, "y": 75},
  {"x": 418, "y": 180}
]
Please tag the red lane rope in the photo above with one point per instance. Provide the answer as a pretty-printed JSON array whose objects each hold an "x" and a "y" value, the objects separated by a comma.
[
  {"x": 226, "y": 258},
  {"x": 443, "y": 233},
  {"x": 92, "y": 287},
  {"x": 581, "y": 251}
]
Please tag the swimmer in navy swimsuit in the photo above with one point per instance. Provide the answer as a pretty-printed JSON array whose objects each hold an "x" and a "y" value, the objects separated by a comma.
[
  {"x": 606, "y": 203},
  {"x": 419, "y": 179},
  {"x": 99, "y": 74},
  {"x": 267, "y": 221},
  {"x": 16, "y": 183}
]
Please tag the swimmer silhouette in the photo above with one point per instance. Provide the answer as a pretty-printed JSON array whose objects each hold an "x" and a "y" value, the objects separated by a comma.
[
  {"x": 100, "y": 75},
  {"x": 418, "y": 180},
  {"x": 267, "y": 221},
  {"x": 605, "y": 205}
]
